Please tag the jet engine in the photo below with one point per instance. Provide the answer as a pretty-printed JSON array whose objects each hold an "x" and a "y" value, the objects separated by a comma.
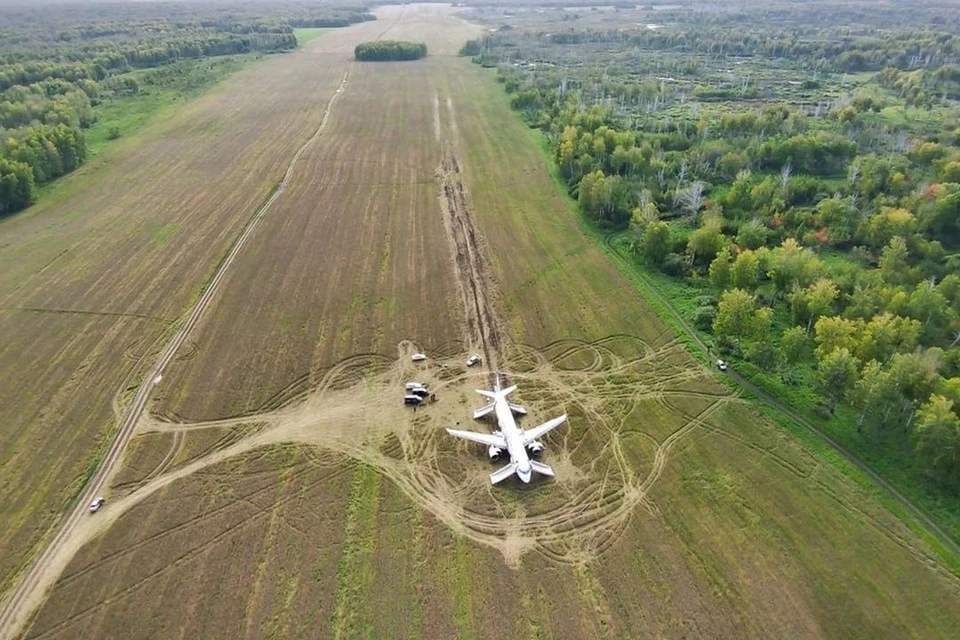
[
  {"x": 494, "y": 453},
  {"x": 535, "y": 448}
]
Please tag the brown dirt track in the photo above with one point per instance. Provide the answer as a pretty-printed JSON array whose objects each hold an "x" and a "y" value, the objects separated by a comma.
[{"x": 677, "y": 510}]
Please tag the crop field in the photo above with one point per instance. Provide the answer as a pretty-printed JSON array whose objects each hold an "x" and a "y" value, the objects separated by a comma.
[
  {"x": 277, "y": 487},
  {"x": 95, "y": 275}
]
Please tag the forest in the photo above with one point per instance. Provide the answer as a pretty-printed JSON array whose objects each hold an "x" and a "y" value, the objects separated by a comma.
[
  {"x": 390, "y": 50},
  {"x": 57, "y": 65},
  {"x": 790, "y": 178}
]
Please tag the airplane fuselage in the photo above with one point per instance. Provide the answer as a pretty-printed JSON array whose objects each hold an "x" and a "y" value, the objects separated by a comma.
[{"x": 514, "y": 438}]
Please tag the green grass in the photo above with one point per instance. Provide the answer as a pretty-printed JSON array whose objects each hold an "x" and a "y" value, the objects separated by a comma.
[
  {"x": 162, "y": 90},
  {"x": 351, "y": 619},
  {"x": 305, "y": 35}
]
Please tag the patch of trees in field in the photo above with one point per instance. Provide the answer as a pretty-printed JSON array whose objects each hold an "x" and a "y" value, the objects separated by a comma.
[
  {"x": 819, "y": 241},
  {"x": 381, "y": 50},
  {"x": 35, "y": 155},
  {"x": 56, "y": 67}
]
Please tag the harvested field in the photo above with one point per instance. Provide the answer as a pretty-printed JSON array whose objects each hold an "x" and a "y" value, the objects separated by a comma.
[
  {"x": 677, "y": 511},
  {"x": 96, "y": 274}
]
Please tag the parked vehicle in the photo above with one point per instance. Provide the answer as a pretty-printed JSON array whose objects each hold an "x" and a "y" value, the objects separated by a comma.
[
  {"x": 473, "y": 360},
  {"x": 418, "y": 357},
  {"x": 96, "y": 504},
  {"x": 412, "y": 399},
  {"x": 722, "y": 365}
]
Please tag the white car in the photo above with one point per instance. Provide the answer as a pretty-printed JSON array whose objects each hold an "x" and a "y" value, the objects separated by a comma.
[
  {"x": 474, "y": 359},
  {"x": 418, "y": 357},
  {"x": 96, "y": 504},
  {"x": 722, "y": 365}
]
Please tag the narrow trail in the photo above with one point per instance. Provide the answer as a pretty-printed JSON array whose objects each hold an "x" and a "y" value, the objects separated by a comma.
[
  {"x": 26, "y": 597},
  {"x": 779, "y": 406}
]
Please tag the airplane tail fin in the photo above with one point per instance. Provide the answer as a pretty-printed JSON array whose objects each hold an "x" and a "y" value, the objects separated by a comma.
[
  {"x": 541, "y": 468},
  {"x": 497, "y": 394},
  {"x": 484, "y": 410},
  {"x": 503, "y": 473}
]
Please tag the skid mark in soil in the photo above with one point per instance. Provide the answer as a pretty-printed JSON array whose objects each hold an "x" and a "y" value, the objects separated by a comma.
[{"x": 605, "y": 468}]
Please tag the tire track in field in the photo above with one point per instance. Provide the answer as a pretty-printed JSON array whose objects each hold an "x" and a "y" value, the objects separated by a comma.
[
  {"x": 914, "y": 508},
  {"x": 26, "y": 597},
  {"x": 470, "y": 265}
]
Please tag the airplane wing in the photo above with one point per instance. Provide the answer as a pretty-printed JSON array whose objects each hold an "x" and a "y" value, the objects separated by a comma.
[
  {"x": 541, "y": 430},
  {"x": 487, "y": 439},
  {"x": 482, "y": 411},
  {"x": 503, "y": 473},
  {"x": 487, "y": 394}
]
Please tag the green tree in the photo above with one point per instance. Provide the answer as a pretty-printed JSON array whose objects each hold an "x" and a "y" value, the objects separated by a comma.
[
  {"x": 745, "y": 270},
  {"x": 738, "y": 317},
  {"x": 839, "y": 216},
  {"x": 793, "y": 266},
  {"x": 938, "y": 435},
  {"x": 836, "y": 374},
  {"x": 752, "y": 234},
  {"x": 833, "y": 332},
  {"x": 594, "y": 195},
  {"x": 929, "y": 306},
  {"x": 720, "y": 269},
  {"x": 894, "y": 265},
  {"x": 794, "y": 346},
  {"x": 874, "y": 391},
  {"x": 814, "y": 301},
  {"x": 885, "y": 334},
  {"x": 655, "y": 243},
  {"x": 705, "y": 243},
  {"x": 915, "y": 376}
]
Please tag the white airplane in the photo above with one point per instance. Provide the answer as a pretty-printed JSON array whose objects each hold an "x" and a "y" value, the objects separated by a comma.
[{"x": 518, "y": 444}]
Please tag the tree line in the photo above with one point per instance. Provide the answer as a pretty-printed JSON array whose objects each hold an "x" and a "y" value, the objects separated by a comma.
[
  {"x": 380, "y": 50},
  {"x": 824, "y": 242},
  {"x": 56, "y": 67},
  {"x": 33, "y": 156}
]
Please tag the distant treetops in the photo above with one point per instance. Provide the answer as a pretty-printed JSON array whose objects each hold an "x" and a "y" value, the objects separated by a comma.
[{"x": 390, "y": 50}]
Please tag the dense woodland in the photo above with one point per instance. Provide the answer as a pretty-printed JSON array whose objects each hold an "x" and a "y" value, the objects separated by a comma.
[
  {"x": 58, "y": 63},
  {"x": 795, "y": 173},
  {"x": 381, "y": 50}
]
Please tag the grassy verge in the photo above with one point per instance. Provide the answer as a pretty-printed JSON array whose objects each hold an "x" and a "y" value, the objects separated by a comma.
[
  {"x": 161, "y": 90},
  {"x": 305, "y": 35}
]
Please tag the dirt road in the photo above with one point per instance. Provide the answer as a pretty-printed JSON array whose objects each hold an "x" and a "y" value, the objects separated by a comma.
[{"x": 28, "y": 594}]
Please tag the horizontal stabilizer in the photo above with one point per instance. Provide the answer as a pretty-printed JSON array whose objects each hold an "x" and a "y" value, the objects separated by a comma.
[
  {"x": 482, "y": 411},
  {"x": 503, "y": 473},
  {"x": 541, "y": 468},
  {"x": 542, "y": 430},
  {"x": 516, "y": 408},
  {"x": 488, "y": 439}
]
